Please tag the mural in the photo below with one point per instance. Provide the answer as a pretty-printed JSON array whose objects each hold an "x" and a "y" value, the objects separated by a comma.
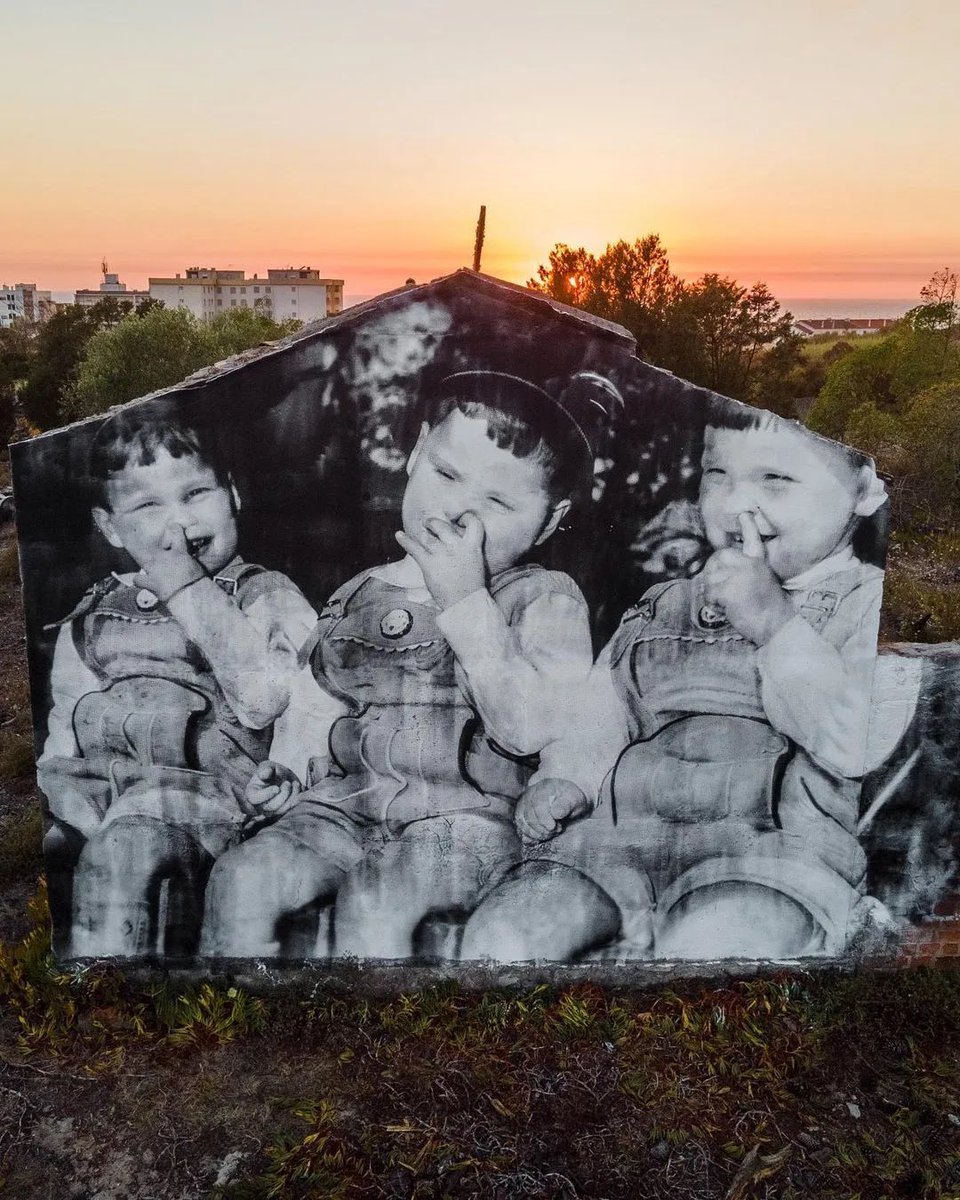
[{"x": 448, "y": 629}]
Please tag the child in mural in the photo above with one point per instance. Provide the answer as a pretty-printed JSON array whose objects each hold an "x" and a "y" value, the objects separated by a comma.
[
  {"x": 727, "y": 826},
  {"x": 456, "y": 665},
  {"x": 166, "y": 682}
]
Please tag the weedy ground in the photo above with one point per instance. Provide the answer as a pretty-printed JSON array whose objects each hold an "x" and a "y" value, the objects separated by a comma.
[
  {"x": 825, "y": 1086},
  {"x": 793, "y": 1086}
]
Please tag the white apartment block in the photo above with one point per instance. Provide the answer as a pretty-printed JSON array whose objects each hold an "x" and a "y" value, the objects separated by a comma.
[
  {"x": 23, "y": 302},
  {"x": 280, "y": 294},
  {"x": 111, "y": 286}
]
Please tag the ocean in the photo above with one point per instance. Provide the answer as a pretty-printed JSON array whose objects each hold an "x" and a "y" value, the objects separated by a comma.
[
  {"x": 807, "y": 306},
  {"x": 815, "y": 306}
]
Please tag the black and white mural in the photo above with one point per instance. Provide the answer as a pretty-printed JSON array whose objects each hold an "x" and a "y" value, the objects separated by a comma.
[{"x": 448, "y": 629}]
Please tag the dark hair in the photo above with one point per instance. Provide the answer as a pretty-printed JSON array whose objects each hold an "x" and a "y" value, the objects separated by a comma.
[
  {"x": 135, "y": 435},
  {"x": 731, "y": 414},
  {"x": 525, "y": 420},
  {"x": 871, "y": 532}
]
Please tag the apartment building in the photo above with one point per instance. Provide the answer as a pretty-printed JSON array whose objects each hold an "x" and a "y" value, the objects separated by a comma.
[
  {"x": 110, "y": 286},
  {"x": 281, "y": 293},
  {"x": 23, "y": 302}
]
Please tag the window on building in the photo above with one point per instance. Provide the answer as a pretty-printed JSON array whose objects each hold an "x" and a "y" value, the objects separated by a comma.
[
  {"x": 243, "y": 304},
  {"x": 219, "y": 289},
  {"x": 293, "y": 289},
  {"x": 219, "y": 304},
  {"x": 233, "y": 303},
  {"x": 243, "y": 291},
  {"x": 256, "y": 289},
  {"x": 233, "y": 291}
]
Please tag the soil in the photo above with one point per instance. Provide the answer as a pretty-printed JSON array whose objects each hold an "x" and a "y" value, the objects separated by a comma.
[{"x": 796, "y": 1086}]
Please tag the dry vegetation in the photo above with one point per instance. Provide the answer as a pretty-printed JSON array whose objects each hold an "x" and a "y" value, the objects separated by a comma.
[{"x": 794, "y": 1086}]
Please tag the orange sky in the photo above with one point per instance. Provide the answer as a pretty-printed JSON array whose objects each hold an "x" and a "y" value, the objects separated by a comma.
[{"x": 812, "y": 146}]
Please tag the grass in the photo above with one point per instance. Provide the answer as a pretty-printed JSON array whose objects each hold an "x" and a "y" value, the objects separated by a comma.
[
  {"x": 921, "y": 588},
  {"x": 21, "y": 846},
  {"x": 795, "y": 1086}
]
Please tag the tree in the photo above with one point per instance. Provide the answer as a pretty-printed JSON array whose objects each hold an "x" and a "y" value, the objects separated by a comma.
[
  {"x": 59, "y": 347},
  {"x": 888, "y": 373},
  {"x": 731, "y": 338},
  {"x": 631, "y": 284},
  {"x": 568, "y": 277},
  {"x": 898, "y": 399},
  {"x": 713, "y": 332},
  {"x": 938, "y": 313},
  {"x": 237, "y": 329},
  {"x": 156, "y": 349},
  {"x": 17, "y": 351}
]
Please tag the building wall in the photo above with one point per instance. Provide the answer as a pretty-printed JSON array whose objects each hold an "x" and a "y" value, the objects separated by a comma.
[
  {"x": 23, "y": 302},
  {"x": 282, "y": 294},
  {"x": 727, "y": 824}
]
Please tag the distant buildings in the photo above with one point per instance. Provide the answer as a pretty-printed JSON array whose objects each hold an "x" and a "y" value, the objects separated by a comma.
[
  {"x": 111, "y": 286},
  {"x": 290, "y": 292},
  {"x": 856, "y": 326},
  {"x": 23, "y": 302}
]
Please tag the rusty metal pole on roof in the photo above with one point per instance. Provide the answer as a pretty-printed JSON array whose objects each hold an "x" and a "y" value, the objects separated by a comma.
[{"x": 478, "y": 244}]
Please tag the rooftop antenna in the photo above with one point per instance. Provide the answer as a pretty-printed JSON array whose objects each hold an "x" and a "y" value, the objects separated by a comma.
[{"x": 478, "y": 244}]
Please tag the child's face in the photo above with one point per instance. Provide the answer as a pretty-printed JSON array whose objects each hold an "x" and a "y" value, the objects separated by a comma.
[
  {"x": 455, "y": 468},
  {"x": 146, "y": 499},
  {"x": 803, "y": 498}
]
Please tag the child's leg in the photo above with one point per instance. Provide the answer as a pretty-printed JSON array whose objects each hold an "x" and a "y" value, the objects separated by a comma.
[
  {"x": 738, "y": 920},
  {"x": 116, "y": 884},
  {"x": 282, "y": 869},
  {"x": 439, "y": 864},
  {"x": 541, "y": 911}
]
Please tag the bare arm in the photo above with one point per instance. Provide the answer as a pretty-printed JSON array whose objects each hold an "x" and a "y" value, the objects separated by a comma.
[{"x": 70, "y": 678}]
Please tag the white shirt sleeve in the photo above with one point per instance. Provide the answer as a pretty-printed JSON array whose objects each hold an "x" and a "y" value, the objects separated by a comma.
[
  {"x": 819, "y": 693},
  {"x": 252, "y": 651},
  {"x": 525, "y": 679},
  {"x": 597, "y": 734},
  {"x": 70, "y": 678}
]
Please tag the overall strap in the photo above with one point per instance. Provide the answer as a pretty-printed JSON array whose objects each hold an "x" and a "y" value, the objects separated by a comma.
[{"x": 88, "y": 601}]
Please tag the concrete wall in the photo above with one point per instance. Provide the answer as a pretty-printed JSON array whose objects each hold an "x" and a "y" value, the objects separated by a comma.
[{"x": 266, "y": 733}]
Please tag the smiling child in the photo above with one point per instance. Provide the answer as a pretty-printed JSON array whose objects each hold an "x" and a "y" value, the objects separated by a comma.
[
  {"x": 166, "y": 682},
  {"x": 456, "y": 665},
  {"x": 729, "y": 716}
]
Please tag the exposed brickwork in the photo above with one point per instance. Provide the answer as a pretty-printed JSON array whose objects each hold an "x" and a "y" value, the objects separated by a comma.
[{"x": 938, "y": 937}]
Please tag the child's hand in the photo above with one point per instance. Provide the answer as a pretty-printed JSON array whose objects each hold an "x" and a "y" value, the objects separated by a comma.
[
  {"x": 450, "y": 556},
  {"x": 271, "y": 791},
  {"x": 170, "y": 567},
  {"x": 546, "y": 807},
  {"x": 739, "y": 581}
]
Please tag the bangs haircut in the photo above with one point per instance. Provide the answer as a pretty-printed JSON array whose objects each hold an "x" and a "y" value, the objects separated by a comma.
[
  {"x": 135, "y": 437},
  {"x": 524, "y": 420},
  {"x": 728, "y": 414}
]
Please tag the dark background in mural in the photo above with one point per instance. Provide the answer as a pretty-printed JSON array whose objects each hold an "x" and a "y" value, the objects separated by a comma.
[{"x": 317, "y": 437}]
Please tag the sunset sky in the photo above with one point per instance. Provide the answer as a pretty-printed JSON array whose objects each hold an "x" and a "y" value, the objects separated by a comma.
[{"x": 812, "y": 145}]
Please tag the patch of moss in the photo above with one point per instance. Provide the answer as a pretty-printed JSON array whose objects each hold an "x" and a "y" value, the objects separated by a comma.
[
  {"x": 915, "y": 610},
  {"x": 21, "y": 852},
  {"x": 9, "y": 563},
  {"x": 16, "y": 757}
]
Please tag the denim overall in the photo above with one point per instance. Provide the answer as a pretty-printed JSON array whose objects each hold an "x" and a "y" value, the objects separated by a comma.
[
  {"x": 411, "y": 745},
  {"x": 713, "y": 796},
  {"x": 163, "y": 762},
  {"x": 159, "y": 739}
]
